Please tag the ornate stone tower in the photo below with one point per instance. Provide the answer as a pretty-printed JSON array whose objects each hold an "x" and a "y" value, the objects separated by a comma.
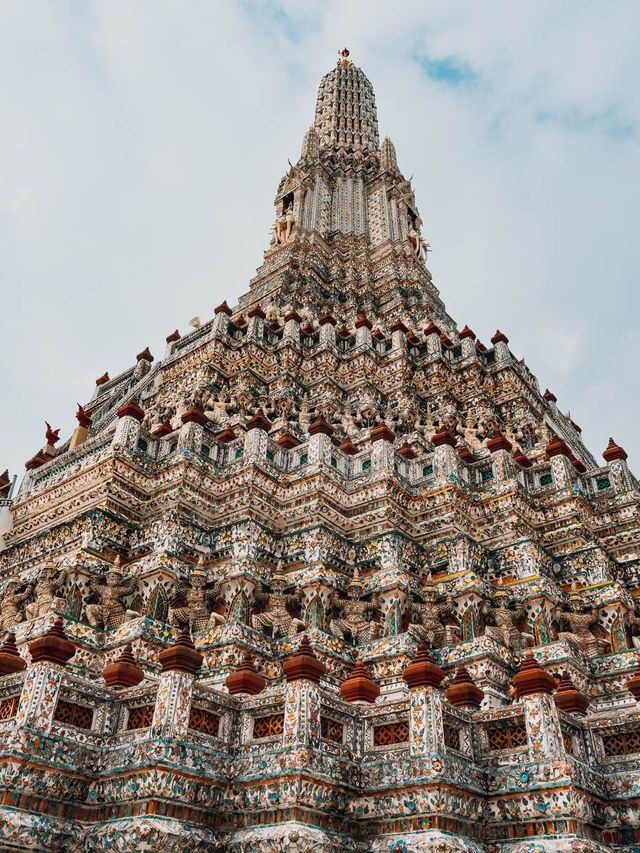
[{"x": 329, "y": 575}]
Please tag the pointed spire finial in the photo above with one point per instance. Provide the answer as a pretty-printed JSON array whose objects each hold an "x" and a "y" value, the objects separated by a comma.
[{"x": 345, "y": 61}]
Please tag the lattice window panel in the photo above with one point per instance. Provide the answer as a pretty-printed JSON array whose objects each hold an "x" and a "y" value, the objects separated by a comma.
[
  {"x": 269, "y": 726},
  {"x": 507, "y": 736},
  {"x": 140, "y": 717},
  {"x": 391, "y": 733},
  {"x": 204, "y": 721},
  {"x": 451, "y": 737},
  {"x": 73, "y": 715},
  {"x": 9, "y": 708},
  {"x": 331, "y": 730},
  {"x": 622, "y": 743}
]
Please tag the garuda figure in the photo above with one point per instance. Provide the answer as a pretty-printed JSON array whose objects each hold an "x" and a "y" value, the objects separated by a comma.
[
  {"x": 49, "y": 583},
  {"x": 356, "y": 621},
  {"x": 111, "y": 611},
  {"x": 13, "y": 595},
  {"x": 581, "y": 620},
  {"x": 502, "y": 618},
  {"x": 432, "y": 616},
  {"x": 277, "y": 616},
  {"x": 200, "y": 599}
]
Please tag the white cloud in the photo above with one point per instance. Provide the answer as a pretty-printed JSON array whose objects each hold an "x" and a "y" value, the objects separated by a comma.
[{"x": 142, "y": 145}]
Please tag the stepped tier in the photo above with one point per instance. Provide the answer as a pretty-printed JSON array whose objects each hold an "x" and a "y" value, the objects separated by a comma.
[{"x": 292, "y": 498}]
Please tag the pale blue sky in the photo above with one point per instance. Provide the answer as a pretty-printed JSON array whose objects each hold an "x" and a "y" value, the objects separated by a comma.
[{"x": 142, "y": 144}]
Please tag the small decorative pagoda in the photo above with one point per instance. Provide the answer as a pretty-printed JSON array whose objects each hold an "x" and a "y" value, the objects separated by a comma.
[{"x": 326, "y": 576}]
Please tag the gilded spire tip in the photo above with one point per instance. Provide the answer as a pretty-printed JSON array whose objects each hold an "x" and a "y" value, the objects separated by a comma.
[{"x": 345, "y": 61}]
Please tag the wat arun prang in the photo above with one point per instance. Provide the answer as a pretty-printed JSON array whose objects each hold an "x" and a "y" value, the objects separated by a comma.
[{"x": 328, "y": 574}]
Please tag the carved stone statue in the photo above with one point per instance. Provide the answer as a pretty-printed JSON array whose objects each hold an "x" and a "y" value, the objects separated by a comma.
[
  {"x": 432, "y": 615},
  {"x": 111, "y": 612},
  {"x": 10, "y": 611},
  {"x": 356, "y": 618},
  {"x": 417, "y": 243},
  {"x": 581, "y": 620},
  {"x": 199, "y": 600},
  {"x": 49, "y": 583},
  {"x": 277, "y": 616},
  {"x": 284, "y": 225},
  {"x": 501, "y": 621}
]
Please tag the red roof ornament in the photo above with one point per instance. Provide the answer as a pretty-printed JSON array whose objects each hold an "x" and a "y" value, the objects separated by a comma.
[
  {"x": 246, "y": 680},
  {"x": 162, "y": 429},
  {"x": 577, "y": 428},
  {"x": 348, "y": 447},
  {"x": 382, "y": 433},
  {"x": 423, "y": 671},
  {"x": 287, "y": 440},
  {"x": 54, "y": 646},
  {"x": 194, "y": 415},
  {"x": 36, "y": 461},
  {"x": 613, "y": 452},
  {"x": 123, "y": 671},
  {"x": 363, "y": 322},
  {"x": 521, "y": 459},
  {"x": 406, "y": 451},
  {"x": 303, "y": 665},
  {"x": 498, "y": 442},
  {"x": 398, "y": 326},
  {"x": 480, "y": 346},
  {"x": 225, "y": 436},
  {"x": 259, "y": 421},
  {"x": 550, "y": 396},
  {"x": 320, "y": 426},
  {"x": 52, "y": 436},
  {"x": 568, "y": 698},
  {"x": 131, "y": 409},
  {"x": 578, "y": 465},
  {"x": 327, "y": 317},
  {"x": 463, "y": 692},
  {"x": 443, "y": 436},
  {"x": 292, "y": 315},
  {"x": 145, "y": 355},
  {"x": 467, "y": 333},
  {"x": 446, "y": 340},
  {"x": 102, "y": 380},
  {"x": 223, "y": 309},
  {"x": 182, "y": 655},
  {"x": 465, "y": 453},
  {"x": 499, "y": 337},
  {"x": 557, "y": 447},
  {"x": 257, "y": 312},
  {"x": 83, "y": 417},
  {"x": 360, "y": 686},
  {"x": 173, "y": 337},
  {"x": 10, "y": 658},
  {"x": 379, "y": 335},
  {"x": 532, "y": 678},
  {"x": 432, "y": 329}
]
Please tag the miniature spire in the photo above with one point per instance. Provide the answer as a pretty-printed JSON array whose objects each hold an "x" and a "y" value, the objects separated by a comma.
[
  {"x": 303, "y": 665},
  {"x": 613, "y": 452},
  {"x": 10, "y": 658},
  {"x": 463, "y": 692},
  {"x": 182, "y": 655},
  {"x": 388, "y": 159},
  {"x": 5, "y": 484},
  {"x": 360, "y": 686},
  {"x": 532, "y": 678},
  {"x": 54, "y": 646},
  {"x": 245, "y": 680},
  {"x": 123, "y": 671},
  {"x": 423, "y": 671}
]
